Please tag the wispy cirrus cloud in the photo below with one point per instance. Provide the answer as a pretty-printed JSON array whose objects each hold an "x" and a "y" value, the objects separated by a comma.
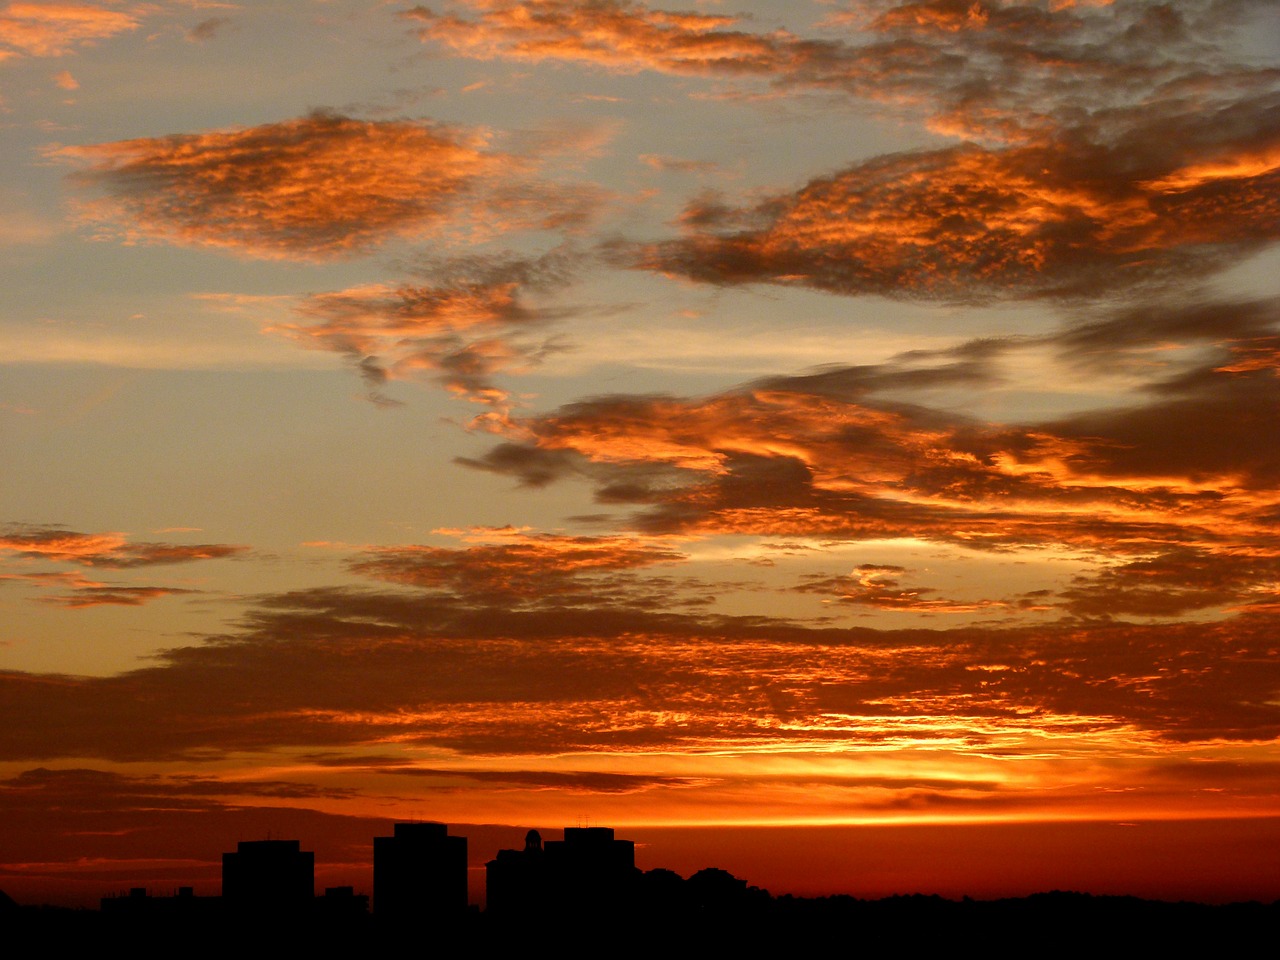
[
  {"x": 55, "y": 29},
  {"x": 315, "y": 188},
  {"x": 974, "y": 67},
  {"x": 473, "y": 319},
  {"x": 629, "y": 37}
]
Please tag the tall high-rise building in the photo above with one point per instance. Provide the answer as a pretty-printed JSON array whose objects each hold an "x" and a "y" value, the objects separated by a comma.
[
  {"x": 591, "y": 870},
  {"x": 420, "y": 872}
]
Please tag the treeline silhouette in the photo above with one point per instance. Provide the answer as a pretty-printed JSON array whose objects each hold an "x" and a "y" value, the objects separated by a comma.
[{"x": 583, "y": 895}]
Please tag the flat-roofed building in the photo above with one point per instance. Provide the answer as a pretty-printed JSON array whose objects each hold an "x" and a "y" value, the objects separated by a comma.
[
  {"x": 268, "y": 875},
  {"x": 420, "y": 872}
]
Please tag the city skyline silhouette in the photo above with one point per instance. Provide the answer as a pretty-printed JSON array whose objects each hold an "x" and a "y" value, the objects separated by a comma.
[{"x": 583, "y": 892}]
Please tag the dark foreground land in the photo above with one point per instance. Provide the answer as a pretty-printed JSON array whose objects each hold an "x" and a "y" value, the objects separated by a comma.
[{"x": 750, "y": 923}]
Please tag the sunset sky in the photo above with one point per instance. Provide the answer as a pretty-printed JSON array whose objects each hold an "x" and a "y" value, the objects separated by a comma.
[{"x": 835, "y": 441}]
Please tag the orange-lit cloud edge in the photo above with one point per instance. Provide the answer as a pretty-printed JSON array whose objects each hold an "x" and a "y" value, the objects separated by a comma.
[
  {"x": 520, "y": 675},
  {"x": 55, "y": 29}
]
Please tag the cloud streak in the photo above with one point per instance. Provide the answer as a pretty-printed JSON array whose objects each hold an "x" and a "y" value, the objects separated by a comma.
[{"x": 109, "y": 550}]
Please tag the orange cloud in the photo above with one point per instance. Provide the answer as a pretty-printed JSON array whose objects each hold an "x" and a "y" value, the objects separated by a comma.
[
  {"x": 463, "y": 329},
  {"x": 1180, "y": 486},
  {"x": 52, "y": 578},
  {"x": 973, "y": 65},
  {"x": 520, "y": 566},
  {"x": 351, "y": 670},
  {"x": 514, "y": 663},
  {"x": 879, "y": 586},
  {"x": 947, "y": 16},
  {"x": 101, "y": 596},
  {"x": 55, "y": 29},
  {"x": 314, "y": 188},
  {"x": 1104, "y": 161},
  {"x": 86, "y": 593},
  {"x": 619, "y": 35},
  {"x": 112, "y": 550},
  {"x": 972, "y": 224}
]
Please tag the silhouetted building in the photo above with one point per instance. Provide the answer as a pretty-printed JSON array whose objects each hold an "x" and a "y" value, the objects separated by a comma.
[
  {"x": 592, "y": 850},
  {"x": 341, "y": 906},
  {"x": 420, "y": 873},
  {"x": 139, "y": 906},
  {"x": 267, "y": 875},
  {"x": 515, "y": 881},
  {"x": 589, "y": 872}
]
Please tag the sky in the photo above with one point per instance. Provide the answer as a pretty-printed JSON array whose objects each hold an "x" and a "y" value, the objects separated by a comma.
[{"x": 831, "y": 441}]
